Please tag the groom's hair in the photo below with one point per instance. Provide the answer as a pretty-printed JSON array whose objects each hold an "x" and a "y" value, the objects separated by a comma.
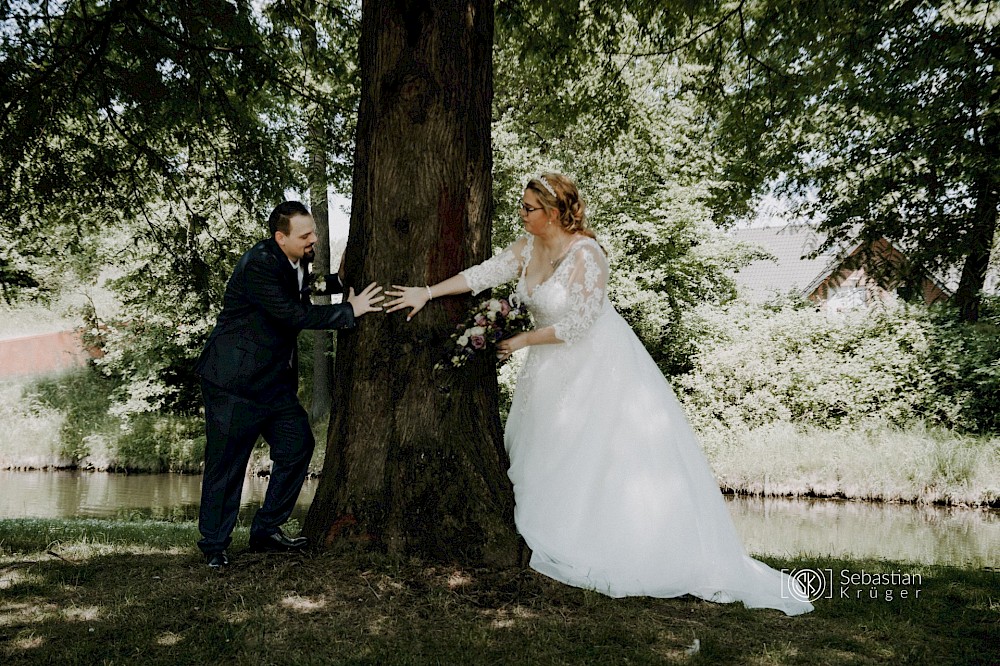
[{"x": 282, "y": 214}]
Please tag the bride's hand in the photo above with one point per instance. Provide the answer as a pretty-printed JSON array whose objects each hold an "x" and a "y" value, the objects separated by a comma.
[
  {"x": 414, "y": 298},
  {"x": 507, "y": 347}
]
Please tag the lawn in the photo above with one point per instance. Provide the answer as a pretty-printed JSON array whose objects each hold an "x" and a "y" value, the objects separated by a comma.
[{"x": 106, "y": 592}]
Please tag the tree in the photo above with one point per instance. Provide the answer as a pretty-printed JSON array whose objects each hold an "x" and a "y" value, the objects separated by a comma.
[
  {"x": 321, "y": 38},
  {"x": 110, "y": 108},
  {"x": 139, "y": 134},
  {"x": 414, "y": 461},
  {"x": 886, "y": 111},
  {"x": 410, "y": 463},
  {"x": 414, "y": 465},
  {"x": 602, "y": 94},
  {"x": 170, "y": 129}
]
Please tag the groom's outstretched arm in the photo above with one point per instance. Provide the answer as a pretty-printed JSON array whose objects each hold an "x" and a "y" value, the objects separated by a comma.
[{"x": 263, "y": 282}]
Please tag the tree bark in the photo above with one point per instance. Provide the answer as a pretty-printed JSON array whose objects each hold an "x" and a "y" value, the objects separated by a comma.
[
  {"x": 977, "y": 261},
  {"x": 415, "y": 461},
  {"x": 316, "y": 176},
  {"x": 322, "y": 371},
  {"x": 984, "y": 224}
]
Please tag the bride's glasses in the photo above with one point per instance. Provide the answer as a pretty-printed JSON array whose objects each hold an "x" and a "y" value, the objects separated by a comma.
[{"x": 528, "y": 210}]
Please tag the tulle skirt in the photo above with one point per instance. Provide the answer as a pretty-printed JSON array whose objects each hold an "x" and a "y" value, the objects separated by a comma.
[{"x": 613, "y": 492}]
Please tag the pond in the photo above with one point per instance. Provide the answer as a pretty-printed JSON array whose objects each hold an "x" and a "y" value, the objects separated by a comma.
[{"x": 769, "y": 526}]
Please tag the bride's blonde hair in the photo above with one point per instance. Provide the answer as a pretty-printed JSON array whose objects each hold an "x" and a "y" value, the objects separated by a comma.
[{"x": 559, "y": 192}]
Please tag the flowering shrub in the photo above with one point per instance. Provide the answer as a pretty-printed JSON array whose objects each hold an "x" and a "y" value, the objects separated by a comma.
[
  {"x": 759, "y": 365},
  {"x": 168, "y": 306},
  {"x": 490, "y": 322}
]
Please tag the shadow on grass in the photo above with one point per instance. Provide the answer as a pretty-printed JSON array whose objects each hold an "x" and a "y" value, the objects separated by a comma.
[{"x": 104, "y": 603}]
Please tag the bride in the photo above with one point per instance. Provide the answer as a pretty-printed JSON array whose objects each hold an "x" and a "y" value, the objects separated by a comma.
[{"x": 612, "y": 491}]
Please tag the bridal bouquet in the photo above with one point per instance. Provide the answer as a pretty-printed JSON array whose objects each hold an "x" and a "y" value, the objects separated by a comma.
[{"x": 489, "y": 323}]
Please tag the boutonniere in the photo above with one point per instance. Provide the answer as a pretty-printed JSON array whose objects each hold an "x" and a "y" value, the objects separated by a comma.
[{"x": 320, "y": 285}]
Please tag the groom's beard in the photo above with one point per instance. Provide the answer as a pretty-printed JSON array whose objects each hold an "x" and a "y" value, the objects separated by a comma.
[{"x": 309, "y": 256}]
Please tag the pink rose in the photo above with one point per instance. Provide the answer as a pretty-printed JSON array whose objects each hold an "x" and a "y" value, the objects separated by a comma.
[
  {"x": 504, "y": 307},
  {"x": 478, "y": 341},
  {"x": 481, "y": 320}
]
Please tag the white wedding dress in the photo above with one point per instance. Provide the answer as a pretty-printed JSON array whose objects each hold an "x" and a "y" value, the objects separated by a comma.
[{"x": 612, "y": 491}]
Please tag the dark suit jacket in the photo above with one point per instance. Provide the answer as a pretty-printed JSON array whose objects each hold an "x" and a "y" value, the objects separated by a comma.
[{"x": 251, "y": 351}]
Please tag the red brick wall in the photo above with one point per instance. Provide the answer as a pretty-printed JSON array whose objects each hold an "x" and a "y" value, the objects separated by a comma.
[{"x": 43, "y": 354}]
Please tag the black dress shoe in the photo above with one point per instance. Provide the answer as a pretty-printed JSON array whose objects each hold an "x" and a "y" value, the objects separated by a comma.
[
  {"x": 278, "y": 542},
  {"x": 217, "y": 560}
]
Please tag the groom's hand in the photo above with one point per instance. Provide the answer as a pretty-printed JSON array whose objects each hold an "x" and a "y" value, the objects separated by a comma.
[{"x": 365, "y": 301}]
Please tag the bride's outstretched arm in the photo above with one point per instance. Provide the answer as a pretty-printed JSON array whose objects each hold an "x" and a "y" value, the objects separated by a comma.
[
  {"x": 496, "y": 270},
  {"x": 416, "y": 298}
]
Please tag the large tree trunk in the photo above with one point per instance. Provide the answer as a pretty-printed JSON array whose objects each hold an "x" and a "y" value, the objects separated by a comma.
[
  {"x": 970, "y": 286},
  {"x": 984, "y": 225},
  {"x": 322, "y": 372},
  {"x": 316, "y": 175},
  {"x": 415, "y": 460}
]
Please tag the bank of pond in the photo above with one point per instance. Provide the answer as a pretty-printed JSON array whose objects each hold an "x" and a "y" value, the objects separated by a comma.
[{"x": 780, "y": 527}]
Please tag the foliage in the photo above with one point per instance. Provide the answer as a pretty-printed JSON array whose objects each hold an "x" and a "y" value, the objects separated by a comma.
[
  {"x": 29, "y": 430},
  {"x": 787, "y": 362},
  {"x": 171, "y": 290},
  {"x": 155, "y": 137},
  {"x": 869, "y": 459},
  {"x": 633, "y": 135},
  {"x": 82, "y": 397},
  {"x": 161, "y": 443},
  {"x": 145, "y": 136},
  {"x": 320, "y": 43},
  {"x": 561, "y": 60},
  {"x": 179, "y": 166},
  {"x": 880, "y": 116},
  {"x": 110, "y": 108},
  {"x": 91, "y": 437}
]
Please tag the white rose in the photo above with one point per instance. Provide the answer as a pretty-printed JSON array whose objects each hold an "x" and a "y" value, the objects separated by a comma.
[
  {"x": 476, "y": 330},
  {"x": 464, "y": 340}
]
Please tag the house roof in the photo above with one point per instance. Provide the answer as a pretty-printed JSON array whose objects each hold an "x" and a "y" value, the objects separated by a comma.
[{"x": 790, "y": 270}]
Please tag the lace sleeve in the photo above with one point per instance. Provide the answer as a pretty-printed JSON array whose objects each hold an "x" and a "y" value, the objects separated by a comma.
[
  {"x": 587, "y": 286},
  {"x": 496, "y": 270}
]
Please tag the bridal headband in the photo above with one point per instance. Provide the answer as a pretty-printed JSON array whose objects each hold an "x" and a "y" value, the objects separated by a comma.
[{"x": 545, "y": 183}]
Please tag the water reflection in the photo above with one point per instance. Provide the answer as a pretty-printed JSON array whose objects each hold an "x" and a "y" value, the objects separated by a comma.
[
  {"x": 910, "y": 533},
  {"x": 775, "y": 526},
  {"x": 64, "y": 494}
]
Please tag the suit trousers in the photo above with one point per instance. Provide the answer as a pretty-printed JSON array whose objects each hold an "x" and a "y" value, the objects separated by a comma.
[{"x": 232, "y": 426}]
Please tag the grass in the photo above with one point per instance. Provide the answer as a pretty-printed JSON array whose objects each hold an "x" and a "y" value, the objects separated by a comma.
[
  {"x": 104, "y": 592},
  {"x": 872, "y": 461}
]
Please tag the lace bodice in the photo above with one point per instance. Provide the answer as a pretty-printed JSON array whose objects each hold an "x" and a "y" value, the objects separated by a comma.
[{"x": 569, "y": 300}]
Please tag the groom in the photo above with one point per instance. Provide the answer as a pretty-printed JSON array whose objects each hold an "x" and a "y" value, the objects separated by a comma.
[{"x": 249, "y": 382}]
